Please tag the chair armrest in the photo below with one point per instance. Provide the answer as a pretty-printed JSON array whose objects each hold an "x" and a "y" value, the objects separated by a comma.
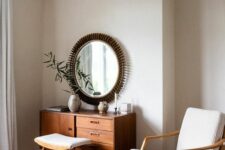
[
  {"x": 157, "y": 137},
  {"x": 215, "y": 145}
]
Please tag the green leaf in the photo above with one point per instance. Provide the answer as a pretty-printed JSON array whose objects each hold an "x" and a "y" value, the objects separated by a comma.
[
  {"x": 91, "y": 84},
  {"x": 50, "y": 55},
  {"x": 60, "y": 78},
  {"x": 67, "y": 91},
  {"x": 57, "y": 67},
  {"x": 53, "y": 59},
  {"x": 90, "y": 88},
  {"x": 74, "y": 86},
  {"x": 60, "y": 63},
  {"x": 47, "y": 61},
  {"x": 86, "y": 84},
  {"x": 76, "y": 90},
  {"x": 87, "y": 75},
  {"x": 56, "y": 77},
  {"x": 78, "y": 63},
  {"x": 63, "y": 67},
  {"x": 82, "y": 74},
  {"x": 62, "y": 71},
  {"x": 50, "y": 65},
  {"x": 79, "y": 75}
]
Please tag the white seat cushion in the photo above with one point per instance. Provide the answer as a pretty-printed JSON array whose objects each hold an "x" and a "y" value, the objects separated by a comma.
[
  {"x": 60, "y": 142},
  {"x": 200, "y": 128}
]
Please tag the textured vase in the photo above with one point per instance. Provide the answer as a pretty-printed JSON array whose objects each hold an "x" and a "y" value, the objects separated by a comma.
[
  {"x": 103, "y": 107},
  {"x": 74, "y": 103}
]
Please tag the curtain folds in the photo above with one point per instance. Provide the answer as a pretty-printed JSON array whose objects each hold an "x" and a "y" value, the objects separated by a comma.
[{"x": 8, "y": 133}]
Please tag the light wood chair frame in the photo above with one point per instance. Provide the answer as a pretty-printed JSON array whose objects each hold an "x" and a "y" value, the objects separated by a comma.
[
  {"x": 83, "y": 147},
  {"x": 218, "y": 144}
]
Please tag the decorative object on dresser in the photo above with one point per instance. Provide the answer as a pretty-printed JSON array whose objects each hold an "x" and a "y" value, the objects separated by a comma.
[
  {"x": 60, "y": 108},
  {"x": 116, "y": 104},
  {"x": 102, "y": 59},
  {"x": 125, "y": 108},
  {"x": 96, "y": 69},
  {"x": 74, "y": 103},
  {"x": 64, "y": 73},
  {"x": 103, "y": 107},
  {"x": 107, "y": 131}
]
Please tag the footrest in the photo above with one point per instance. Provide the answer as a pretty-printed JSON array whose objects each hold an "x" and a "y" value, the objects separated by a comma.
[{"x": 60, "y": 142}]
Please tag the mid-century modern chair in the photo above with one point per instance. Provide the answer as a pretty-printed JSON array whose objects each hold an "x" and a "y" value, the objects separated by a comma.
[
  {"x": 60, "y": 142},
  {"x": 200, "y": 130}
]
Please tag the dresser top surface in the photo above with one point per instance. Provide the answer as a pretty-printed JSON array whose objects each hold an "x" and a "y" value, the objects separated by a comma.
[{"x": 91, "y": 113}]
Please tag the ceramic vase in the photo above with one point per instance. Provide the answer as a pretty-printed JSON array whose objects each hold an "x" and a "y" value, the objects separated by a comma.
[
  {"x": 74, "y": 103},
  {"x": 103, "y": 107}
]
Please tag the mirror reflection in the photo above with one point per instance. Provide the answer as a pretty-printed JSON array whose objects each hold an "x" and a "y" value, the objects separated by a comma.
[{"x": 98, "y": 63}]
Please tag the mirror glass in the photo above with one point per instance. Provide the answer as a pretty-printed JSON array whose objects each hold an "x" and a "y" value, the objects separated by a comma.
[{"x": 97, "y": 68}]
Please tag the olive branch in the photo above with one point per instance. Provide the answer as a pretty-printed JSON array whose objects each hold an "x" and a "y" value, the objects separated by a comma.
[{"x": 63, "y": 72}]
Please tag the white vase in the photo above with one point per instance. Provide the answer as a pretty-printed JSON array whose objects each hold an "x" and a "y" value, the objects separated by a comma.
[
  {"x": 103, "y": 107},
  {"x": 74, "y": 103}
]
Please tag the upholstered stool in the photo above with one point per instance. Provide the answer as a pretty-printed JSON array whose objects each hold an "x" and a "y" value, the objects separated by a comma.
[{"x": 60, "y": 142}]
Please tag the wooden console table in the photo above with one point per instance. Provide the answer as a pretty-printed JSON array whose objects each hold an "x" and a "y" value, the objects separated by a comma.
[{"x": 108, "y": 131}]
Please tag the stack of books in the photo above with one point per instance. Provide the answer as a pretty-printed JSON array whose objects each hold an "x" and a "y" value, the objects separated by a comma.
[{"x": 60, "y": 108}]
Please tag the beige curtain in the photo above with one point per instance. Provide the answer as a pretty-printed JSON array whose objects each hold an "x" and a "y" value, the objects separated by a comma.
[{"x": 8, "y": 135}]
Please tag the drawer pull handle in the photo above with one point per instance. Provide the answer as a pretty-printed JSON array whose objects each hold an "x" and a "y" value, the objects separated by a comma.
[
  {"x": 94, "y": 134},
  {"x": 94, "y": 122},
  {"x": 70, "y": 129}
]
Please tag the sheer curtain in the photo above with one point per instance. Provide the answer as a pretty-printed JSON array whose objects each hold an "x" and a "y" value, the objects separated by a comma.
[{"x": 8, "y": 136}]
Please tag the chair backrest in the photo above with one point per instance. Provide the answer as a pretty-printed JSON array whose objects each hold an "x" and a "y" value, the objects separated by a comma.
[{"x": 200, "y": 128}]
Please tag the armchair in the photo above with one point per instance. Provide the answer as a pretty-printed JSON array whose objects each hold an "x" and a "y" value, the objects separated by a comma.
[{"x": 200, "y": 130}]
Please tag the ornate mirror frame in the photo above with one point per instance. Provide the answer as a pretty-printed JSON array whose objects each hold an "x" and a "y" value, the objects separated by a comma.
[{"x": 121, "y": 61}]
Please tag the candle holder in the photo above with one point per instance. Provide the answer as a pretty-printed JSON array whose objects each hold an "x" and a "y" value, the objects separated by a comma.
[
  {"x": 115, "y": 99},
  {"x": 115, "y": 110}
]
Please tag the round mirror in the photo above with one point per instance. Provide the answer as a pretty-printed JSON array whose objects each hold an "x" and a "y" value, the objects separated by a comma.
[
  {"x": 98, "y": 62},
  {"x": 97, "y": 65}
]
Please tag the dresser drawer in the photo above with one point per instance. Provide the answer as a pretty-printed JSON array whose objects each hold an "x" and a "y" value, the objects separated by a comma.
[
  {"x": 95, "y": 123},
  {"x": 54, "y": 122},
  {"x": 96, "y": 135},
  {"x": 67, "y": 125}
]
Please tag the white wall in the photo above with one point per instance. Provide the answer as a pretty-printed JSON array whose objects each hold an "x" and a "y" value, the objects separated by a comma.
[
  {"x": 27, "y": 45},
  {"x": 137, "y": 25},
  {"x": 200, "y": 63},
  {"x": 145, "y": 30}
]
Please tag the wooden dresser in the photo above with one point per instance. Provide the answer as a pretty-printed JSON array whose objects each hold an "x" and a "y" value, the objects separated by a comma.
[{"x": 108, "y": 132}]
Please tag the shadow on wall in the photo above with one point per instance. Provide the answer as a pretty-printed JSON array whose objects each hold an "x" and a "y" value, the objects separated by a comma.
[
  {"x": 200, "y": 62},
  {"x": 188, "y": 57},
  {"x": 146, "y": 129},
  {"x": 143, "y": 126}
]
